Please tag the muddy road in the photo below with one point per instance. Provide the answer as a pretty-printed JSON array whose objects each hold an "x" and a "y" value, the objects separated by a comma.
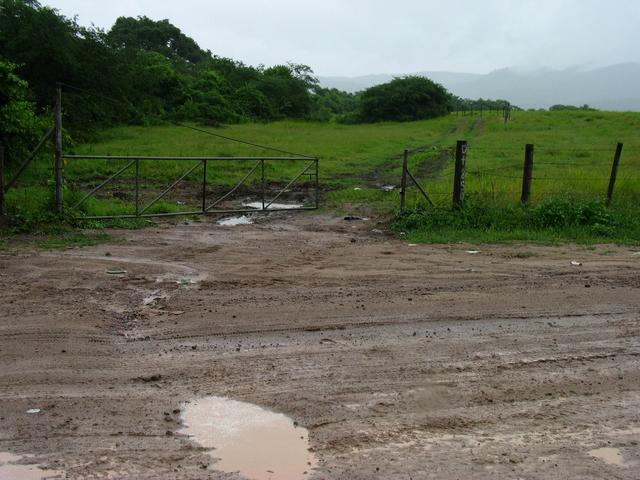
[{"x": 401, "y": 361}]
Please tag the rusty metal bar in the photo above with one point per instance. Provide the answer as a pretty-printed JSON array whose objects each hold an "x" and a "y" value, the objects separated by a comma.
[
  {"x": 125, "y": 157},
  {"x": 195, "y": 212},
  {"x": 168, "y": 189},
  {"x": 94, "y": 190},
  {"x": 289, "y": 184},
  {"x": 29, "y": 159},
  {"x": 238, "y": 185}
]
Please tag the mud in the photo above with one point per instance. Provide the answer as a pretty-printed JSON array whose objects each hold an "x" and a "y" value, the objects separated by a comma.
[{"x": 400, "y": 361}]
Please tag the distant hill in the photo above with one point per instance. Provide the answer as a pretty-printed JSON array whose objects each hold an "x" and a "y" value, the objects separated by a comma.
[{"x": 609, "y": 88}]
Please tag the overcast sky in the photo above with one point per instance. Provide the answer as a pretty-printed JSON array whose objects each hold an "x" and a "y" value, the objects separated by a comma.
[{"x": 359, "y": 37}]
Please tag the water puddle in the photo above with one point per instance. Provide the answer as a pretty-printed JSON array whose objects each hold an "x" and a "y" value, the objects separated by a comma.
[
  {"x": 234, "y": 221},
  {"x": 12, "y": 468},
  {"x": 611, "y": 456},
  {"x": 257, "y": 443},
  {"x": 273, "y": 206}
]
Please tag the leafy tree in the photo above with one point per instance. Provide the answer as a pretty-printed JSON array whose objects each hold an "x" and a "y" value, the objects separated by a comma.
[
  {"x": 156, "y": 36},
  {"x": 404, "y": 99},
  {"x": 19, "y": 125},
  {"x": 288, "y": 93}
]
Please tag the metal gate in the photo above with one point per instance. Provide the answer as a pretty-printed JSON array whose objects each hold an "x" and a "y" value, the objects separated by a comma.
[{"x": 266, "y": 202}]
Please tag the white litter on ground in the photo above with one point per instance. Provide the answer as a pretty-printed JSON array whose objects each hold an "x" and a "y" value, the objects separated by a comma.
[
  {"x": 273, "y": 206},
  {"x": 234, "y": 221}
]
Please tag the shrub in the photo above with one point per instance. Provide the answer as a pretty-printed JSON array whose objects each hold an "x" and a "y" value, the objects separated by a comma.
[{"x": 404, "y": 99}]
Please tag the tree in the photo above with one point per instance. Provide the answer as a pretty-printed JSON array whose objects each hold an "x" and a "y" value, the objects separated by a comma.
[
  {"x": 19, "y": 126},
  {"x": 155, "y": 36},
  {"x": 404, "y": 99},
  {"x": 288, "y": 93}
]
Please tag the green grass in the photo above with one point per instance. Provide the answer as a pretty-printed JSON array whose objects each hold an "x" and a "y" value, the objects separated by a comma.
[
  {"x": 573, "y": 154},
  {"x": 557, "y": 219}
]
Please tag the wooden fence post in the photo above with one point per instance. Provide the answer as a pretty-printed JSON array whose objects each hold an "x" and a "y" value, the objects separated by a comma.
[
  {"x": 2, "y": 209},
  {"x": 403, "y": 182},
  {"x": 614, "y": 173},
  {"x": 527, "y": 175},
  {"x": 58, "y": 150},
  {"x": 458, "y": 179}
]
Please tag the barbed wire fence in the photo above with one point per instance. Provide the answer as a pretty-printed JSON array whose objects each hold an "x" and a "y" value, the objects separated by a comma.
[{"x": 596, "y": 172}]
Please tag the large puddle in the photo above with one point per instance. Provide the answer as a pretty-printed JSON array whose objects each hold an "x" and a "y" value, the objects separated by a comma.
[
  {"x": 611, "y": 456},
  {"x": 12, "y": 468},
  {"x": 256, "y": 443}
]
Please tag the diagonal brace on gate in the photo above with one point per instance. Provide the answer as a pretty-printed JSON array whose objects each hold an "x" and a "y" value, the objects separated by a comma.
[
  {"x": 306, "y": 169},
  {"x": 237, "y": 186}
]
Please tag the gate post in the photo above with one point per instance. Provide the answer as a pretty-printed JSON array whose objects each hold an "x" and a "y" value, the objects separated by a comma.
[
  {"x": 58, "y": 174},
  {"x": 458, "y": 179},
  {"x": 527, "y": 174},
  {"x": 403, "y": 181},
  {"x": 614, "y": 173}
]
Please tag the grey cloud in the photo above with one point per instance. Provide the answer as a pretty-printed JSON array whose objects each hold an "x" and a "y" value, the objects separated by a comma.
[{"x": 360, "y": 37}]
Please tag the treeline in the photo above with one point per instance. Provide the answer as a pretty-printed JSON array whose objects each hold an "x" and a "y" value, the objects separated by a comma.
[
  {"x": 460, "y": 104},
  {"x": 143, "y": 71},
  {"x": 149, "y": 68}
]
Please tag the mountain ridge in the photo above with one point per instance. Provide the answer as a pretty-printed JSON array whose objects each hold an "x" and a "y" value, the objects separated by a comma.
[{"x": 613, "y": 87}]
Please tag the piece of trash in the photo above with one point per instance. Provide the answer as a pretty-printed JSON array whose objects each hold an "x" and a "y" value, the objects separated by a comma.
[
  {"x": 412, "y": 245},
  {"x": 402, "y": 234},
  {"x": 473, "y": 252},
  {"x": 235, "y": 221},
  {"x": 388, "y": 188},
  {"x": 352, "y": 218},
  {"x": 273, "y": 206},
  {"x": 576, "y": 264},
  {"x": 117, "y": 272},
  {"x": 181, "y": 203},
  {"x": 357, "y": 188},
  {"x": 33, "y": 410},
  {"x": 378, "y": 231}
]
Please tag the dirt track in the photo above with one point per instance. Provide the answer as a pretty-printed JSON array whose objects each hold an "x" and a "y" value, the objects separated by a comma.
[{"x": 402, "y": 361}]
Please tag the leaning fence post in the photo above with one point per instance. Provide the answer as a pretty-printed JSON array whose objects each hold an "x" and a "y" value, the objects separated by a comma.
[
  {"x": 403, "y": 182},
  {"x": 458, "y": 178},
  {"x": 614, "y": 173},
  {"x": 527, "y": 174},
  {"x": 1, "y": 184},
  {"x": 58, "y": 150}
]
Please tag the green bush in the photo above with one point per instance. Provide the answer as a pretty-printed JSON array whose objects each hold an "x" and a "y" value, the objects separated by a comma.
[
  {"x": 557, "y": 218},
  {"x": 404, "y": 99}
]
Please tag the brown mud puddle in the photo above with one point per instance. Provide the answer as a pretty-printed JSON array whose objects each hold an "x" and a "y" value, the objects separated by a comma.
[{"x": 257, "y": 443}]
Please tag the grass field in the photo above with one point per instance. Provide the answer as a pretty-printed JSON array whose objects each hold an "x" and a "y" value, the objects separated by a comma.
[{"x": 573, "y": 155}]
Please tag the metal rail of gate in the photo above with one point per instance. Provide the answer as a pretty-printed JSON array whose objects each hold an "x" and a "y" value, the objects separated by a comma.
[{"x": 311, "y": 169}]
